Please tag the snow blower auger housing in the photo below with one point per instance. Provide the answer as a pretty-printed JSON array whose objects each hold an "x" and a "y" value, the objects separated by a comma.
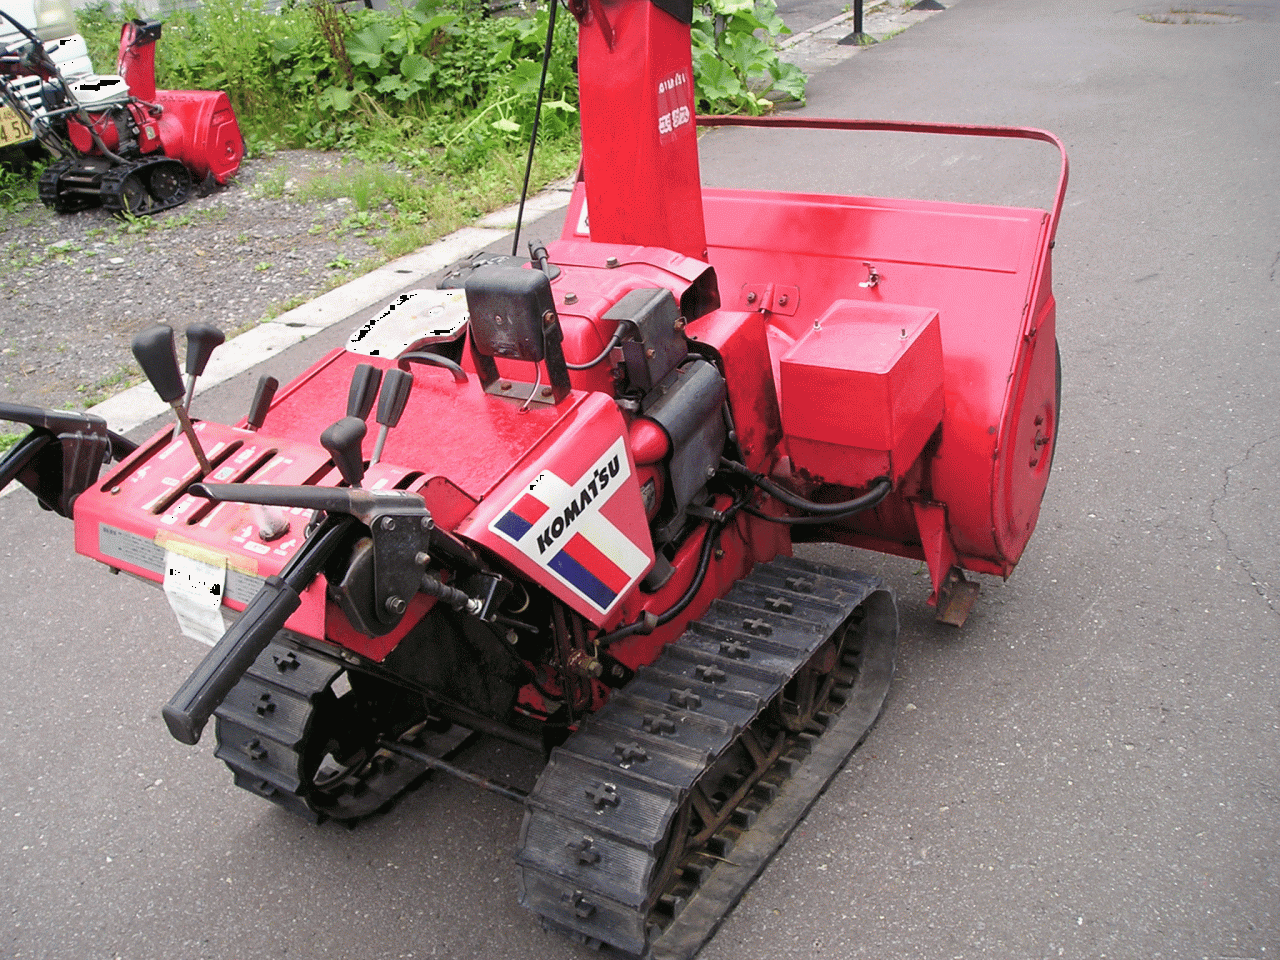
[
  {"x": 572, "y": 527},
  {"x": 117, "y": 141}
]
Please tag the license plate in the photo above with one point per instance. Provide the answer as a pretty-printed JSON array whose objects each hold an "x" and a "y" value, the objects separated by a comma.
[{"x": 14, "y": 128}]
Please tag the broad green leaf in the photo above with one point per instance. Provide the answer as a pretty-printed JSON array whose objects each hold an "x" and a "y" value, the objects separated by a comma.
[
  {"x": 416, "y": 69},
  {"x": 336, "y": 98},
  {"x": 524, "y": 77},
  {"x": 366, "y": 47}
]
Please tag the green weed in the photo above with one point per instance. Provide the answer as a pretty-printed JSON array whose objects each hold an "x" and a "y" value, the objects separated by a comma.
[{"x": 93, "y": 394}]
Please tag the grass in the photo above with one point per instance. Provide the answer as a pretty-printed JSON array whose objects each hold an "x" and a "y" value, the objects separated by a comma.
[{"x": 92, "y": 394}]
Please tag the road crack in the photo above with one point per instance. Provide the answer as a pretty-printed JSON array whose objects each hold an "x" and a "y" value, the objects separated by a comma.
[{"x": 1260, "y": 585}]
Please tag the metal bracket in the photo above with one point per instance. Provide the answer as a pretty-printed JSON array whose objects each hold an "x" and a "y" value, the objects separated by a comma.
[{"x": 775, "y": 298}]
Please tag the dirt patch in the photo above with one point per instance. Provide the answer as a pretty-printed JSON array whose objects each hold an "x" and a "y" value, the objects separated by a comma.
[{"x": 77, "y": 287}]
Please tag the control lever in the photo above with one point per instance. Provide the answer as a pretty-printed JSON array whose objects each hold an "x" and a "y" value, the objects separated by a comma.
[
  {"x": 262, "y": 397},
  {"x": 400, "y": 528},
  {"x": 264, "y": 616},
  {"x": 202, "y": 340},
  {"x": 395, "y": 394},
  {"x": 343, "y": 440},
  {"x": 156, "y": 354},
  {"x": 364, "y": 390}
]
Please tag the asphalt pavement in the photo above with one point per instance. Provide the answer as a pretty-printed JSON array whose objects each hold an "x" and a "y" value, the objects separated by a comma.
[{"x": 1087, "y": 769}]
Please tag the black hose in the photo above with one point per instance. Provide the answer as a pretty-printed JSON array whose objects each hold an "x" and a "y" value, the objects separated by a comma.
[
  {"x": 613, "y": 342},
  {"x": 648, "y": 622},
  {"x": 880, "y": 488},
  {"x": 816, "y": 521}
]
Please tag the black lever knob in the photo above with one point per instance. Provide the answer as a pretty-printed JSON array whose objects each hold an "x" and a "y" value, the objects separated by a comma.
[
  {"x": 343, "y": 440},
  {"x": 158, "y": 357},
  {"x": 364, "y": 390},
  {"x": 262, "y": 397},
  {"x": 395, "y": 394},
  {"x": 202, "y": 340}
]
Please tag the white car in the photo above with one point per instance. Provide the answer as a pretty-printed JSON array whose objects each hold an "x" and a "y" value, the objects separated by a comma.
[{"x": 54, "y": 22}]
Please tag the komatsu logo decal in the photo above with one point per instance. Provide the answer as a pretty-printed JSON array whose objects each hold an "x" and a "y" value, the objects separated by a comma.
[{"x": 560, "y": 526}]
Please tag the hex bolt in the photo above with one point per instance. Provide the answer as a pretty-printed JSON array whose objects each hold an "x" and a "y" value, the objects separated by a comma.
[
  {"x": 751, "y": 297},
  {"x": 782, "y": 300},
  {"x": 395, "y": 605}
]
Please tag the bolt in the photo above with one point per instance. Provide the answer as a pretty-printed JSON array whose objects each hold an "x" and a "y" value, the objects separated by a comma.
[
  {"x": 388, "y": 523},
  {"x": 546, "y": 391},
  {"x": 570, "y": 298},
  {"x": 115, "y": 491},
  {"x": 782, "y": 300},
  {"x": 611, "y": 262},
  {"x": 421, "y": 559},
  {"x": 650, "y": 353},
  {"x": 426, "y": 523},
  {"x": 751, "y": 297},
  {"x": 505, "y": 385},
  {"x": 395, "y": 605}
]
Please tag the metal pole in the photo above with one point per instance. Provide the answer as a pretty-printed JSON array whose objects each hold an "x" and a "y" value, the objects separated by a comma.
[{"x": 858, "y": 38}]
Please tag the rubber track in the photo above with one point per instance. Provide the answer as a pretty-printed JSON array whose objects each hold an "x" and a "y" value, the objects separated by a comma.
[
  {"x": 112, "y": 188},
  {"x": 598, "y": 818},
  {"x": 51, "y": 194},
  {"x": 263, "y": 727}
]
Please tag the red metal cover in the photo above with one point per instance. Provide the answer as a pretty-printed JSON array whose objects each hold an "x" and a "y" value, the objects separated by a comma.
[
  {"x": 862, "y": 391},
  {"x": 570, "y": 514}
]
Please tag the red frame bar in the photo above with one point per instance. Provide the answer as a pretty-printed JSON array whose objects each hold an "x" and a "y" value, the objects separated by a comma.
[{"x": 908, "y": 126}]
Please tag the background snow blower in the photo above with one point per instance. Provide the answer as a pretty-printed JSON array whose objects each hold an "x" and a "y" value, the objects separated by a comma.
[
  {"x": 116, "y": 139},
  {"x": 573, "y": 529}
]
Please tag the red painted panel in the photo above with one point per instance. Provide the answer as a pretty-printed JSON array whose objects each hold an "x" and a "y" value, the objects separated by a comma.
[{"x": 862, "y": 392}]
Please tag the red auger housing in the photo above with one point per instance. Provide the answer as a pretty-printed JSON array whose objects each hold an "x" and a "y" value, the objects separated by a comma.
[{"x": 573, "y": 528}]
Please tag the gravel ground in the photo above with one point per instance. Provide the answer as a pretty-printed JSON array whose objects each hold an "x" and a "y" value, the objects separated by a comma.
[{"x": 77, "y": 287}]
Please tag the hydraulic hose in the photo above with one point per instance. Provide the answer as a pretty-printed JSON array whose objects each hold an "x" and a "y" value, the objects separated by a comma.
[
  {"x": 819, "y": 512},
  {"x": 649, "y": 622}
]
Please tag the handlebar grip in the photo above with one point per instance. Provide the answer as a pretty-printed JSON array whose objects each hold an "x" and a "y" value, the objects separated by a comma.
[
  {"x": 189, "y": 709},
  {"x": 264, "y": 616}
]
